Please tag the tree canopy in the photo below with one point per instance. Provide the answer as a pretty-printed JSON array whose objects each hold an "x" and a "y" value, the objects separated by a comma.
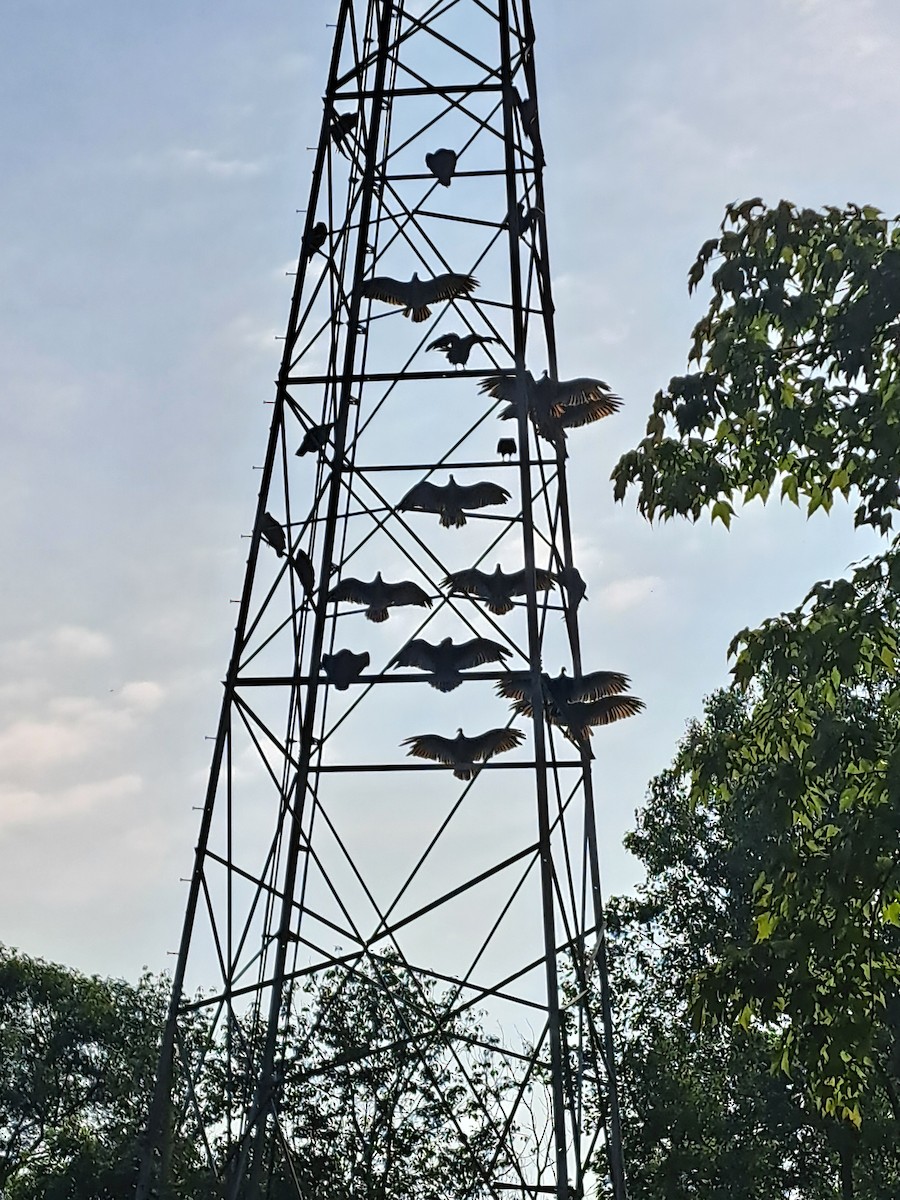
[{"x": 797, "y": 381}]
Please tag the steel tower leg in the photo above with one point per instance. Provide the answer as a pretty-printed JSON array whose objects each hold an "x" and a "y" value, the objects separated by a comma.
[{"x": 452, "y": 900}]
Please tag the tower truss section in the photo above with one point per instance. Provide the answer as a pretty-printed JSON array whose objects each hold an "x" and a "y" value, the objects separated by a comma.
[{"x": 400, "y": 809}]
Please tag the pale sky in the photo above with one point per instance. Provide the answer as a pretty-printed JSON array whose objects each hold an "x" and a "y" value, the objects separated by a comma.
[{"x": 154, "y": 157}]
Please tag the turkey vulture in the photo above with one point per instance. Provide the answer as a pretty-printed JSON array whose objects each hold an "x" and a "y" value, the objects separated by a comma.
[
  {"x": 497, "y": 589},
  {"x": 576, "y": 589},
  {"x": 554, "y": 405},
  {"x": 302, "y": 564},
  {"x": 575, "y": 705},
  {"x": 446, "y": 660},
  {"x": 315, "y": 439},
  {"x": 379, "y": 596},
  {"x": 451, "y": 499},
  {"x": 344, "y": 667},
  {"x": 272, "y": 532},
  {"x": 461, "y": 752},
  {"x": 342, "y": 125},
  {"x": 522, "y": 219},
  {"x": 458, "y": 348},
  {"x": 442, "y": 164},
  {"x": 507, "y": 448},
  {"x": 528, "y": 116},
  {"x": 415, "y": 295},
  {"x": 315, "y": 240}
]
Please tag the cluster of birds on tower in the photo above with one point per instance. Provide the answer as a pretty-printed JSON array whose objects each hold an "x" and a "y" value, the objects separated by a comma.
[{"x": 576, "y": 705}]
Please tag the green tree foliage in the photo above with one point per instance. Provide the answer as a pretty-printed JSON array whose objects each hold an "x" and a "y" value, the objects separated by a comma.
[
  {"x": 77, "y": 1059},
  {"x": 797, "y": 381},
  {"x": 705, "y": 1113},
  {"x": 381, "y": 1094}
]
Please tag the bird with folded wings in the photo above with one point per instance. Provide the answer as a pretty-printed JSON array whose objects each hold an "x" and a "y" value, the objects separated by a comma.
[
  {"x": 446, "y": 660},
  {"x": 461, "y": 752},
  {"x": 452, "y": 499},
  {"x": 415, "y": 295}
]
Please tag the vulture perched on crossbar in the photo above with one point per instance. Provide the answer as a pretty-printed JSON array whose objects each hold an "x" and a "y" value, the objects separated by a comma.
[
  {"x": 461, "y": 752},
  {"x": 442, "y": 164},
  {"x": 315, "y": 439},
  {"x": 457, "y": 347},
  {"x": 452, "y": 499},
  {"x": 378, "y": 595},
  {"x": 415, "y": 295},
  {"x": 554, "y": 405},
  {"x": 498, "y": 588},
  {"x": 344, "y": 667},
  {"x": 315, "y": 241},
  {"x": 446, "y": 660},
  {"x": 576, "y": 705}
]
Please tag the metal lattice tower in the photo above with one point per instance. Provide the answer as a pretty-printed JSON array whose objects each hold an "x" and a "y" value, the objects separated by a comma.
[{"x": 324, "y": 851}]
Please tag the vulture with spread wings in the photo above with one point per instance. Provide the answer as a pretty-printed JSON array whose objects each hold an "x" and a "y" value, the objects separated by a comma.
[
  {"x": 461, "y": 752},
  {"x": 446, "y": 660},
  {"x": 415, "y": 295},
  {"x": 452, "y": 499},
  {"x": 498, "y": 588},
  {"x": 576, "y": 705},
  {"x": 457, "y": 347},
  {"x": 554, "y": 405},
  {"x": 378, "y": 595}
]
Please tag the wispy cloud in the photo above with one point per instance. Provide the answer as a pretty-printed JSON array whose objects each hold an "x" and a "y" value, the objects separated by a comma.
[{"x": 193, "y": 160}]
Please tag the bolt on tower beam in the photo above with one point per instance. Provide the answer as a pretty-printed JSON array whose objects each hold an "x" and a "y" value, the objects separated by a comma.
[{"x": 390, "y": 917}]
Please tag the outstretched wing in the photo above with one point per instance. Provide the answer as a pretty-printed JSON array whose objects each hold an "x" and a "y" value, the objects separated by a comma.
[
  {"x": 354, "y": 590},
  {"x": 383, "y": 287},
  {"x": 480, "y": 495},
  {"x": 478, "y": 651},
  {"x": 501, "y": 385},
  {"x": 433, "y": 746},
  {"x": 447, "y": 287},
  {"x": 595, "y": 685},
  {"x": 516, "y": 687},
  {"x": 607, "y": 709},
  {"x": 417, "y": 653},
  {"x": 572, "y": 416},
  {"x": 493, "y": 741},
  {"x": 426, "y": 497},
  {"x": 518, "y": 582},
  {"x": 407, "y": 592},
  {"x": 470, "y": 582},
  {"x": 445, "y": 342},
  {"x": 580, "y": 391}
]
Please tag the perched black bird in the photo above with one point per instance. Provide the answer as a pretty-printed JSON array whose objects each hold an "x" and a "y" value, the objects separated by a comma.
[
  {"x": 570, "y": 579},
  {"x": 315, "y": 439},
  {"x": 342, "y": 125},
  {"x": 451, "y": 499},
  {"x": 507, "y": 448},
  {"x": 522, "y": 219},
  {"x": 344, "y": 667},
  {"x": 553, "y": 405},
  {"x": 415, "y": 295},
  {"x": 315, "y": 240},
  {"x": 528, "y": 112},
  {"x": 442, "y": 164},
  {"x": 461, "y": 752},
  {"x": 306, "y": 573},
  {"x": 575, "y": 705},
  {"x": 497, "y": 589},
  {"x": 379, "y": 596},
  {"x": 446, "y": 660},
  {"x": 458, "y": 348},
  {"x": 272, "y": 532}
]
